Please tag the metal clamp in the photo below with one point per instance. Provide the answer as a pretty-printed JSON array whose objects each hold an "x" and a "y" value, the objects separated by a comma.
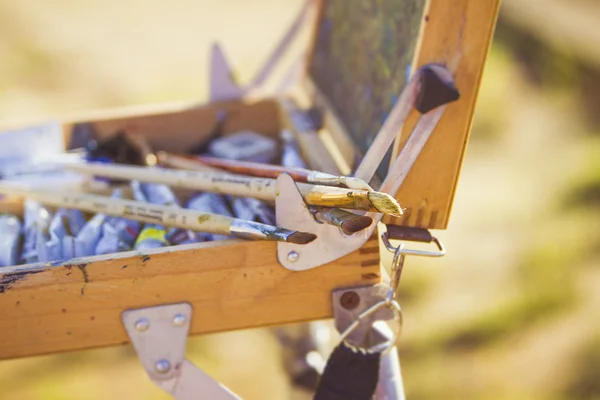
[
  {"x": 441, "y": 251},
  {"x": 292, "y": 212},
  {"x": 158, "y": 335},
  {"x": 429, "y": 91}
]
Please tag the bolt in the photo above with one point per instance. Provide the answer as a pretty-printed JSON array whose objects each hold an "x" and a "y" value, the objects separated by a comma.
[
  {"x": 179, "y": 320},
  {"x": 350, "y": 300},
  {"x": 142, "y": 325},
  {"x": 293, "y": 256},
  {"x": 162, "y": 366}
]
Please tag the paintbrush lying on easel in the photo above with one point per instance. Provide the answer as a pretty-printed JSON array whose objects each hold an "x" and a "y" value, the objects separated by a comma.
[
  {"x": 259, "y": 170},
  {"x": 164, "y": 215},
  {"x": 348, "y": 222},
  {"x": 244, "y": 186}
]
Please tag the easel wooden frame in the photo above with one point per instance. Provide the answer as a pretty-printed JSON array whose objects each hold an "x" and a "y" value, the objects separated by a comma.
[{"x": 233, "y": 284}]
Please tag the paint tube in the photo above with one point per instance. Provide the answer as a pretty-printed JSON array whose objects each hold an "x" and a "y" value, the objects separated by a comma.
[
  {"x": 74, "y": 219},
  {"x": 87, "y": 239},
  {"x": 152, "y": 236},
  {"x": 291, "y": 151},
  {"x": 213, "y": 203},
  {"x": 245, "y": 146},
  {"x": 35, "y": 230},
  {"x": 118, "y": 234},
  {"x": 252, "y": 209},
  {"x": 60, "y": 244},
  {"x": 164, "y": 196},
  {"x": 64, "y": 227},
  {"x": 22, "y": 148},
  {"x": 10, "y": 236}
]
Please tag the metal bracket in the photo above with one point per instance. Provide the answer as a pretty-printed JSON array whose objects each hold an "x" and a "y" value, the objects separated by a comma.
[
  {"x": 349, "y": 303},
  {"x": 292, "y": 213},
  {"x": 158, "y": 335},
  {"x": 430, "y": 90}
]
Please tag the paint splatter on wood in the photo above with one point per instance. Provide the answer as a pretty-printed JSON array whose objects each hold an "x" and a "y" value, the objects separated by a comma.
[{"x": 9, "y": 279}]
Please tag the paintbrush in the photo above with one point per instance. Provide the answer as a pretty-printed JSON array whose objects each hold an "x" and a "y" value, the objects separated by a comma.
[
  {"x": 244, "y": 186},
  {"x": 258, "y": 170},
  {"x": 164, "y": 215},
  {"x": 349, "y": 223}
]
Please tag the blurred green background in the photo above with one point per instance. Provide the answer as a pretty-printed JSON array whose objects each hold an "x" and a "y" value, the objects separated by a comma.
[{"x": 512, "y": 312}]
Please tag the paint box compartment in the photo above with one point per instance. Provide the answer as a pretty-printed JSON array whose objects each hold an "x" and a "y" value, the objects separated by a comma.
[{"x": 234, "y": 284}]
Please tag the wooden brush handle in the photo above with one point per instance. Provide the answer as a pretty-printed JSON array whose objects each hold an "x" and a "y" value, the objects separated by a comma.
[
  {"x": 238, "y": 167},
  {"x": 143, "y": 212}
]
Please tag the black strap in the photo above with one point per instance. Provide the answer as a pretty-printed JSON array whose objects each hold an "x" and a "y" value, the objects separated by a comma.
[{"x": 349, "y": 375}]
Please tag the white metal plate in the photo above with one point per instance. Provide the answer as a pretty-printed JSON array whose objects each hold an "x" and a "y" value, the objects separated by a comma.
[
  {"x": 292, "y": 213},
  {"x": 163, "y": 340}
]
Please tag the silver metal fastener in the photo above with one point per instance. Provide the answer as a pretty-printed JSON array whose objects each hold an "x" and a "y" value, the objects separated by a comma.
[
  {"x": 293, "y": 256},
  {"x": 179, "y": 320},
  {"x": 142, "y": 325},
  {"x": 162, "y": 366}
]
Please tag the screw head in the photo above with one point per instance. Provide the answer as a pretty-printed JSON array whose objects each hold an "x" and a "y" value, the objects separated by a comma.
[
  {"x": 179, "y": 320},
  {"x": 350, "y": 300},
  {"x": 142, "y": 325},
  {"x": 162, "y": 366},
  {"x": 293, "y": 256}
]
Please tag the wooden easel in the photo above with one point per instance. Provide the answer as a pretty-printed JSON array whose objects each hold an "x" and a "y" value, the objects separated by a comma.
[{"x": 78, "y": 304}]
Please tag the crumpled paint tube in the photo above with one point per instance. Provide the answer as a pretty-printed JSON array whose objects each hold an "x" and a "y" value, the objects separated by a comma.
[
  {"x": 64, "y": 227},
  {"x": 74, "y": 219},
  {"x": 152, "y": 236},
  {"x": 60, "y": 244},
  {"x": 35, "y": 228},
  {"x": 252, "y": 209},
  {"x": 245, "y": 146},
  {"x": 118, "y": 234},
  {"x": 213, "y": 203},
  {"x": 10, "y": 235},
  {"x": 157, "y": 193},
  {"x": 86, "y": 241}
]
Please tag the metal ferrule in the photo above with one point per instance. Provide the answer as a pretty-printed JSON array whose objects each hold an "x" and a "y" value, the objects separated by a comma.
[
  {"x": 322, "y": 178},
  {"x": 243, "y": 229}
]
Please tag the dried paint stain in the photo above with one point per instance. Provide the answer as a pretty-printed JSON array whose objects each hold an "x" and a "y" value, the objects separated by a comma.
[
  {"x": 86, "y": 278},
  {"x": 8, "y": 279}
]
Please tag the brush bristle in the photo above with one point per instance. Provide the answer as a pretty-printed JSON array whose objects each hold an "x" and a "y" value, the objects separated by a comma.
[
  {"x": 385, "y": 204},
  {"x": 301, "y": 238},
  {"x": 356, "y": 224}
]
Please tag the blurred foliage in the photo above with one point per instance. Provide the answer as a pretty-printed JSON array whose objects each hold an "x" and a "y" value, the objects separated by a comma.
[
  {"x": 585, "y": 187},
  {"x": 491, "y": 121},
  {"x": 585, "y": 384}
]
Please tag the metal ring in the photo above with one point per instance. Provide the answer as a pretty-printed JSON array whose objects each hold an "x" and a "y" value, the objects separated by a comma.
[
  {"x": 413, "y": 252},
  {"x": 388, "y": 344}
]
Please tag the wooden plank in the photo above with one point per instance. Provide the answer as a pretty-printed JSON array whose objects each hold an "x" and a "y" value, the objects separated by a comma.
[
  {"x": 231, "y": 285},
  {"x": 180, "y": 128},
  {"x": 457, "y": 34}
]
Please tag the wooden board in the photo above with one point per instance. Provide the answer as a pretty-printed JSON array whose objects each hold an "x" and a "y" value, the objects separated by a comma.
[
  {"x": 180, "y": 127},
  {"x": 230, "y": 284},
  {"x": 343, "y": 67},
  {"x": 457, "y": 34}
]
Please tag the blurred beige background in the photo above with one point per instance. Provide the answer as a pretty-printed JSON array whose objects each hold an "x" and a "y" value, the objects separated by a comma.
[{"x": 512, "y": 312}]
